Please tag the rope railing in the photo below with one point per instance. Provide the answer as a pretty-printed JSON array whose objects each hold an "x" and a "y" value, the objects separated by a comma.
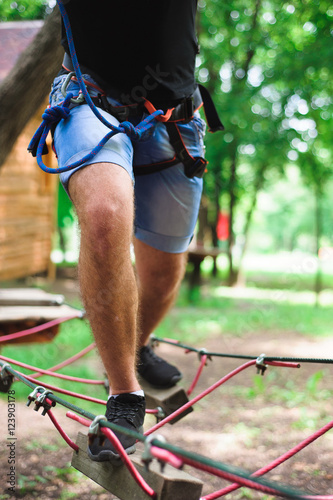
[
  {"x": 36, "y": 329},
  {"x": 176, "y": 343},
  {"x": 175, "y": 455}
]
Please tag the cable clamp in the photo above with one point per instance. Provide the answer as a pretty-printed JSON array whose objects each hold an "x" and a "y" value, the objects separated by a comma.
[
  {"x": 160, "y": 415},
  {"x": 204, "y": 352},
  {"x": 41, "y": 401},
  {"x": 147, "y": 456},
  {"x": 153, "y": 341},
  {"x": 260, "y": 364},
  {"x": 106, "y": 384},
  {"x": 33, "y": 395},
  {"x": 38, "y": 396},
  {"x": 6, "y": 378},
  {"x": 94, "y": 428}
]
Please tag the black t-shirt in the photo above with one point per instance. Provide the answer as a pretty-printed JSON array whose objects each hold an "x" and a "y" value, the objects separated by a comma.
[{"x": 140, "y": 48}]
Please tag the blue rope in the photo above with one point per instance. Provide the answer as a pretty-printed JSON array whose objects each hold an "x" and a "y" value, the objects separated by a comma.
[{"x": 61, "y": 112}]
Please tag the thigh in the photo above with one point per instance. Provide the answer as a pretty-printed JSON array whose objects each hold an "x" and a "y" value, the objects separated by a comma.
[
  {"x": 76, "y": 136},
  {"x": 167, "y": 206},
  {"x": 167, "y": 202}
]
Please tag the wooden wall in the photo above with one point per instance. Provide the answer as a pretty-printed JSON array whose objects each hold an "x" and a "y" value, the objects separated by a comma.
[{"x": 27, "y": 209}]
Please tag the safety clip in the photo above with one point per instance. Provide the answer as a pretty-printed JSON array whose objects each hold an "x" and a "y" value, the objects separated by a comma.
[{"x": 75, "y": 100}]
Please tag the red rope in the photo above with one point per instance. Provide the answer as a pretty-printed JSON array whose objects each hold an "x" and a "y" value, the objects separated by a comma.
[
  {"x": 63, "y": 391},
  {"x": 116, "y": 443},
  {"x": 197, "y": 376},
  {"x": 200, "y": 396},
  {"x": 69, "y": 360},
  {"x": 62, "y": 432},
  {"x": 211, "y": 389},
  {"x": 166, "y": 456},
  {"x": 230, "y": 477},
  {"x": 35, "y": 329},
  {"x": 275, "y": 463},
  {"x": 52, "y": 374}
]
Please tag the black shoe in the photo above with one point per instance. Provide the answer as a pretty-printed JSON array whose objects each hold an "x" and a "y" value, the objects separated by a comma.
[
  {"x": 126, "y": 410},
  {"x": 155, "y": 370}
]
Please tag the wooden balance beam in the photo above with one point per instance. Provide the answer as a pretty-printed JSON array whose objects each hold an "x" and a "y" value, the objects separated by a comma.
[
  {"x": 171, "y": 484},
  {"x": 24, "y": 308}
]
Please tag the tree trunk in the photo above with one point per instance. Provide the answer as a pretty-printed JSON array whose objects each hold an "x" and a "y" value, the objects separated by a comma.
[
  {"x": 231, "y": 237},
  {"x": 318, "y": 231},
  {"x": 24, "y": 89},
  {"x": 257, "y": 186}
]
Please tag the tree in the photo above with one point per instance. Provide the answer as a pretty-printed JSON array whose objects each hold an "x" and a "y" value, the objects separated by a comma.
[
  {"x": 272, "y": 90},
  {"x": 25, "y": 88},
  {"x": 24, "y": 9}
]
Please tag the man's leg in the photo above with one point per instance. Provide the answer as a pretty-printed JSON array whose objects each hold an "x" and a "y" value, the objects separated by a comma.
[
  {"x": 103, "y": 198},
  {"x": 159, "y": 275}
]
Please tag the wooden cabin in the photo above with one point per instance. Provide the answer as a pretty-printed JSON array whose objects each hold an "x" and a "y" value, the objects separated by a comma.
[{"x": 27, "y": 194}]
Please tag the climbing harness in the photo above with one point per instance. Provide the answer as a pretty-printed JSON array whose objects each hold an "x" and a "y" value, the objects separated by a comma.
[{"x": 183, "y": 112}]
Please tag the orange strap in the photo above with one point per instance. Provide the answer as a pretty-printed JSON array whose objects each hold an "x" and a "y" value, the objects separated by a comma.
[{"x": 161, "y": 118}]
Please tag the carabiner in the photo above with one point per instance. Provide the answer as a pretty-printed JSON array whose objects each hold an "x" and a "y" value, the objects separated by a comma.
[{"x": 75, "y": 100}]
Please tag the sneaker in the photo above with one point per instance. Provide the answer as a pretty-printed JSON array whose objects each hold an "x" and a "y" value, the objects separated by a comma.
[
  {"x": 128, "y": 411},
  {"x": 155, "y": 370}
]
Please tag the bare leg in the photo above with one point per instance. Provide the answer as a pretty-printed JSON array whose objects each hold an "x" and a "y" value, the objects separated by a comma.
[
  {"x": 159, "y": 275},
  {"x": 103, "y": 197}
]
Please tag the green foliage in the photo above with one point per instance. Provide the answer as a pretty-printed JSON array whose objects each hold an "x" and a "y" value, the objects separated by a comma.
[
  {"x": 25, "y": 9},
  {"x": 267, "y": 64}
]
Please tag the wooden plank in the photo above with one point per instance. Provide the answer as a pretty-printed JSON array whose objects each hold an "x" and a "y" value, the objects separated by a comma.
[
  {"x": 29, "y": 296},
  {"x": 37, "y": 307},
  {"x": 169, "y": 484},
  {"x": 39, "y": 313},
  {"x": 168, "y": 399}
]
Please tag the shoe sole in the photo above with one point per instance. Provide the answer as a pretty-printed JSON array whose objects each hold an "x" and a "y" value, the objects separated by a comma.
[{"x": 109, "y": 456}]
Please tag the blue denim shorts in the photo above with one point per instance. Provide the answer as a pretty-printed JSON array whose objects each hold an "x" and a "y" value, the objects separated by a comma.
[{"x": 166, "y": 202}]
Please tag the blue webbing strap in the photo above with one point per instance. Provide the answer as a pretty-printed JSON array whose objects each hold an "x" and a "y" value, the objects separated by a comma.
[{"x": 61, "y": 112}]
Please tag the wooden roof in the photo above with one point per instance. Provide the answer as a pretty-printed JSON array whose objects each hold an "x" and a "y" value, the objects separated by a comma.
[{"x": 14, "y": 38}]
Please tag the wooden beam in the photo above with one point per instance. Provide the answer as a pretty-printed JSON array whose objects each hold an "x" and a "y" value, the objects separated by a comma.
[
  {"x": 168, "y": 399},
  {"x": 21, "y": 309},
  {"x": 29, "y": 297},
  {"x": 169, "y": 484}
]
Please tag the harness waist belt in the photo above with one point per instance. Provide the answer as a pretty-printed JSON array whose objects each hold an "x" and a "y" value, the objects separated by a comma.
[{"x": 182, "y": 111}]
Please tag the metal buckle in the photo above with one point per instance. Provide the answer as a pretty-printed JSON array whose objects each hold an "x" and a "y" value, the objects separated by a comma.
[{"x": 196, "y": 169}]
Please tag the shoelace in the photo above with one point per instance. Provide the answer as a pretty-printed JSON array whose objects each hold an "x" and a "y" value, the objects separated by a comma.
[
  {"x": 126, "y": 411},
  {"x": 153, "y": 358}
]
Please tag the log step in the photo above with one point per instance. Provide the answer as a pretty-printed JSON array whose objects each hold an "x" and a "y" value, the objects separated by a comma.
[
  {"x": 168, "y": 399},
  {"x": 169, "y": 484}
]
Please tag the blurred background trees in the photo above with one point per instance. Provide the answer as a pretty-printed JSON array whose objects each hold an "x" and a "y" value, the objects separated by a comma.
[{"x": 268, "y": 66}]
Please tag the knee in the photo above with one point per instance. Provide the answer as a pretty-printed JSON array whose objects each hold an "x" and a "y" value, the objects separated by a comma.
[
  {"x": 106, "y": 225},
  {"x": 164, "y": 283}
]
